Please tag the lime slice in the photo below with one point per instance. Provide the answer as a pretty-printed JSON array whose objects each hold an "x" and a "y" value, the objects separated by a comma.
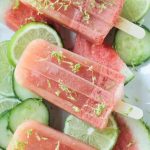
[
  {"x": 101, "y": 140},
  {"x": 134, "y": 10},
  {"x": 6, "y": 72},
  {"x": 28, "y": 33},
  {"x": 7, "y": 104}
]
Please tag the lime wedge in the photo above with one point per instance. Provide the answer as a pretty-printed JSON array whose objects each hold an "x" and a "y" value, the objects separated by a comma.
[
  {"x": 134, "y": 10},
  {"x": 6, "y": 72},
  {"x": 28, "y": 33},
  {"x": 7, "y": 104},
  {"x": 99, "y": 139}
]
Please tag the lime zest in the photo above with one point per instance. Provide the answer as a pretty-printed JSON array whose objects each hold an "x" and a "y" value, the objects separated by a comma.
[
  {"x": 76, "y": 109},
  {"x": 29, "y": 133},
  {"x": 20, "y": 145},
  {"x": 99, "y": 109},
  {"x": 58, "y": 93},
  {"x": 58, "y": 55}
]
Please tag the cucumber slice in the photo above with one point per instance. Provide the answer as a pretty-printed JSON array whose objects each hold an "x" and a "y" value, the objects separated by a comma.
[
  {"x": 140, "y": 133},
  {"x": 28, "y": 33},
  {"x": 5, "y": 133},
  {"x": 7, "y": 104},
  {"x": 132, "y": 50},
  {"x": 30, "y": 109},
  {"x": 101, "y": 140},
  {"x": 21, "y": 92},
  {"x": 134, "y": 10},
  {"x": 6, "y": 72}
]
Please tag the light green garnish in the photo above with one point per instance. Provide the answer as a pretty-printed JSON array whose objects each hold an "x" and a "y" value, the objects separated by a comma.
[
  {"x": 71, "y": 97},
  {"x": 76, "y": 68},
  {"x": 58, "y": 55},
  {"x": 58, "y": 93},
  {"x": 49, "y": 83},
  {"x": 76, "y": 109},
  {"x": 86, "y": 16},
  {"x": 99, "y": 109},
  {"x": 57, "y": 145},
  {"x": 29, "y": 133},
  {"x": 65, "y": 89},
  {"x": 20, "y": 145}
]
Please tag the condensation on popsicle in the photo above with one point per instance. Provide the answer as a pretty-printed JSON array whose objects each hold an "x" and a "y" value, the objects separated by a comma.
[
  {"x": 32, "y": 135},
  {"x": 90, "y": 18},
  {"x": 84, "y": 88}
]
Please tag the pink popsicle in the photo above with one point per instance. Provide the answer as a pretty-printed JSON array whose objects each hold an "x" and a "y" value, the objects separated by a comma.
[
  {"x": 82, "y": 87},
  {"x": 92, "y": 19},
  {"x": 35, "y": 136},
  {"x": 102, "y": 54}
]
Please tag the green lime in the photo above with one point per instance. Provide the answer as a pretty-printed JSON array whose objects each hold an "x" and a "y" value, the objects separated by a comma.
[
  {"x": 7, "y": 104},
  {"x": 6, "y": 72},
  {"x": 28, "y": 33},
  {"x": 99, "y": 139},
  {"x": 134, "y": 10}
]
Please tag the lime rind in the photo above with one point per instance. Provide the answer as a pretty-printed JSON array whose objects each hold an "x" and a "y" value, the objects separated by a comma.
[
  {"x": 101, "y": 140},
  {"x": 28, "y": 33},
  {"x": 6, "y": 72}
]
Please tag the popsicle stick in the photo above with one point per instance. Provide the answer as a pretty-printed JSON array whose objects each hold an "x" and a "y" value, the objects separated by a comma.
[
  {"x": 130, "y": 28},
  {"x": 129, "y": 110}
]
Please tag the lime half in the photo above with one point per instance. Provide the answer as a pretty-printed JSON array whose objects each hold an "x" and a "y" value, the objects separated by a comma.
[
  {"x": 28, "y": 33},
  {"x": 134, "y": 10},
  {"x": 99, "y": 139},
  {"x": 6, "y": 72}
]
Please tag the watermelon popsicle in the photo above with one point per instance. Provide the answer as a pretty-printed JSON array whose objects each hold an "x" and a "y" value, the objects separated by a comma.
[
  {"x": 102, "y": 54},
  {"x": 32, "y": 135},
  {"x": 82, "y": 87},
  {"x": 92, "y": 19}
]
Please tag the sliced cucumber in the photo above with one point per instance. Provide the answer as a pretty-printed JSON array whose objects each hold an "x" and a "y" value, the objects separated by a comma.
[
  {"x": 7, "y": 104},
  {"x": 140, "y": 133},
  {"x": 5, "y": 133},
  {"x": 132, "y": 50},
  {"x": 21, "y": 92},
  {"x": 30, "y": 109},
  {"x": 134, "y": 10}
]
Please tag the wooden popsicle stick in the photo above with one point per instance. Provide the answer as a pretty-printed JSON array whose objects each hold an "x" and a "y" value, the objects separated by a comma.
[
  {"x": 130, "y": 28},
  {"x": 129, "y": 110}
]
